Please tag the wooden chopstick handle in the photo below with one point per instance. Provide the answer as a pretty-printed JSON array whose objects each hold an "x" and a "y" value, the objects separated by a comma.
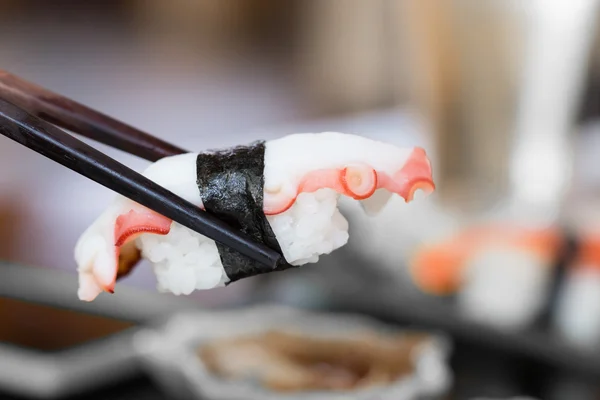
[{"x": 82, "y": 120}]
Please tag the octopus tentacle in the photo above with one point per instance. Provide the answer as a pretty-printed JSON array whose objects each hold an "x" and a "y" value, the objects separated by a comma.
[
  {"x": 127, "y": 227},
  {"x": 359, "y": 181},
  {"x": 130, "y": 225}
]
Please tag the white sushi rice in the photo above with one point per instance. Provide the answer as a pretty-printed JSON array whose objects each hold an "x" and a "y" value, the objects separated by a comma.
[
  {"x": 311, "y": 227},
  {"x": 185, "y": 261},
  {"x": 504, "y": 287},
  {"x": 578, "y": 312}
]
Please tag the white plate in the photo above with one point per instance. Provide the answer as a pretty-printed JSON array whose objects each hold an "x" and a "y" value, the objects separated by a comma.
[{"x": 170, "y": 354}]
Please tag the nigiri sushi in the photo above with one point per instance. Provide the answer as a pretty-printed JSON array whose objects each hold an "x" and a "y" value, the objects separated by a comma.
[
  {"x": 577, "y": 316},
  {"x": 500, "y": 273},
  {"x": 283, "y": 193}
]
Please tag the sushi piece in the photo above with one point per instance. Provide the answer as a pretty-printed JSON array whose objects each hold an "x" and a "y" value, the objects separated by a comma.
[
  {"x": 577, "y": 316},
  {"x": 500, "y": 273},
  {"x": 282, "y": 193}
]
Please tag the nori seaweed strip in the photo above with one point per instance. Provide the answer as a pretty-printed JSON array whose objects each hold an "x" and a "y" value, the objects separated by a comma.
[{"x": 231, "y": 186}]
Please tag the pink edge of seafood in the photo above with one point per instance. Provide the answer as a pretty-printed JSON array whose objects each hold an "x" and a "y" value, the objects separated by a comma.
[
  {"x": 360, "y": 182},
  {"x": 357, "y": 180},
  {"x": 103, "y": 272}
]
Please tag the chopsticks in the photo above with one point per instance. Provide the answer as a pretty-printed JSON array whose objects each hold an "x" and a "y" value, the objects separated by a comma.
[
  {"x": 82, "y": 120},
  {"x": 63, "y": 148}
]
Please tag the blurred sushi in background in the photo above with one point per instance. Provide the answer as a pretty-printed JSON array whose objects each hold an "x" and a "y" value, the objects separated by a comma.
[
  {"x": 500, "y": 274},
  {"x": 577, "y": 316}
]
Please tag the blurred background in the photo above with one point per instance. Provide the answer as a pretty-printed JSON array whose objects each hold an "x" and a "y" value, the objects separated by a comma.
[{"x": 503, "y": 94}]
